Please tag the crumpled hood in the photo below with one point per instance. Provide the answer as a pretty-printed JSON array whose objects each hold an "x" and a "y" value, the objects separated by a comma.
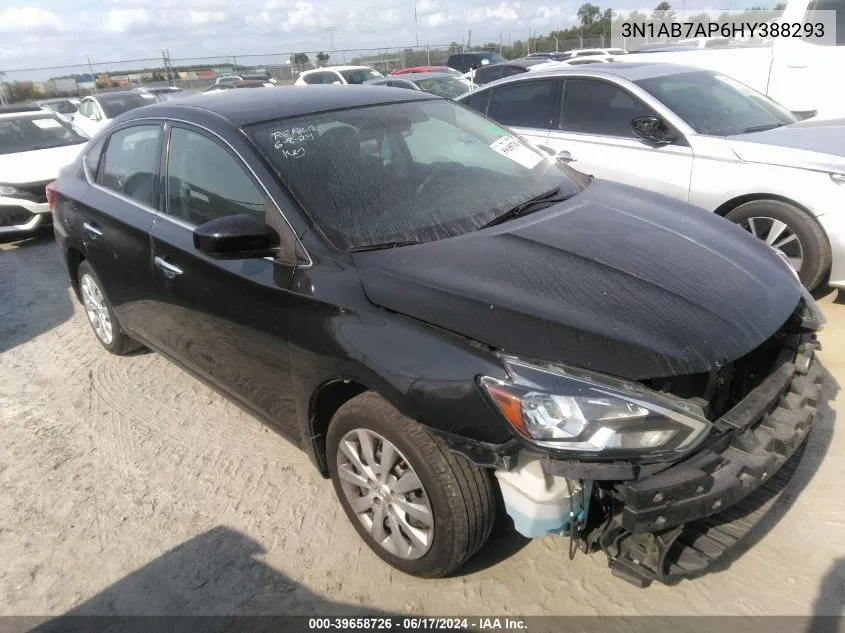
[
  {"x": 810, "y": 144},
  {"x": 37, "y": 165},
  {"x": 617, "y": 280}
]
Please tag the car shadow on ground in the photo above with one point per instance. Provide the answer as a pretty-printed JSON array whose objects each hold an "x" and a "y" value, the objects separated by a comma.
[
  {"x": 213, "y": 581},
  {"x": 35, "y": 289},
  {"x": 829, "y": 607},
  {"x": 814, "y": 451}
]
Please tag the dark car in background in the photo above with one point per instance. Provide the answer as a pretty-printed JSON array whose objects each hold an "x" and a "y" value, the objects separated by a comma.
[
  {"x": 465, "y": 62},
  {"x": 440, "y": 84},
  {"x": 492, "y": 72},
  {"x": 625, "y": 369}
]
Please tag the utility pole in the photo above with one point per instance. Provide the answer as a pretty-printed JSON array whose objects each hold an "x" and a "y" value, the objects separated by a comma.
[
  {"x": 501, "y": 35},
  {"x": 469, "y": 39},
  {"x": 234, "y": 64},
  {"x": 428, "y": 53},
  {"x": 91, "y": 70},
  {"x": 166, "y": 69},
  {"x": 416, "y": 23}
]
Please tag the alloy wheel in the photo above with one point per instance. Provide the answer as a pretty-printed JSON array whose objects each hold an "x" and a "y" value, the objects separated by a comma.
[
  {"x": 778, "y": 235},
  {"x": 95, "y": 308},
  {"x": 385, "y": 493}
]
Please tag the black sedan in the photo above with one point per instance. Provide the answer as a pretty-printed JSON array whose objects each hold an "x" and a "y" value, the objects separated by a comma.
[{"x": 618, "y": 365}]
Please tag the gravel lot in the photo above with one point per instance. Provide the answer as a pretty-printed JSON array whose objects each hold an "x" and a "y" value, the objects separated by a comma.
[{"x": 128, "y": 487}]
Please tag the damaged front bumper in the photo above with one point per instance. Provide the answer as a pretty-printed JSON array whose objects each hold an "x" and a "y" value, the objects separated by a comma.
[
  {"x": 666, "y": 522},
  {"x": 682, "y": 521}
]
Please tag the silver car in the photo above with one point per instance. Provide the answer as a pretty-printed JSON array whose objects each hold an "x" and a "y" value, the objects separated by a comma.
[{"x": 697, "y": 136}]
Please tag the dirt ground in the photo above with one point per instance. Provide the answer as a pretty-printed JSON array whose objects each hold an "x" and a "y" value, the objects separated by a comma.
[{"x": 128, "y": 487}]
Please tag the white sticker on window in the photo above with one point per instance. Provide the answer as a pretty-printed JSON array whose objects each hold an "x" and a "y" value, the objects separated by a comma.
[
  {"x": 509, "y": 147},
  {"x": 45, "y": 124}
]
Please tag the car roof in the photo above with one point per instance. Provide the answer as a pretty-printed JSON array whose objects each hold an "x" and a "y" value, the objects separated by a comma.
[
  {"x": 316, "y": 70},
  {"x": 244, "y": 107},
  {"x": 22, "y": 109},
  {"x": 633, "y": 71}
]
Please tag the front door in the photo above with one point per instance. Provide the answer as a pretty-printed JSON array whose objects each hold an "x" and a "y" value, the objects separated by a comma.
[
  {"x": 225, "y": 319},
  {"x": 595, "y": 130}
]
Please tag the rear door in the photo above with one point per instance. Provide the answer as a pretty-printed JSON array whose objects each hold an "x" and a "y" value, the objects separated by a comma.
[
  {"x": 527, "y": 107},
  {"x": 226, "y": 320},
  {"x": 595, "y": 129},
  {"x": 116, "y": 216}
]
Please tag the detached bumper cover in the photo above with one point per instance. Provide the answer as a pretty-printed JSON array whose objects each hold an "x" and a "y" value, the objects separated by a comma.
[{"x": 679, "y": 522}]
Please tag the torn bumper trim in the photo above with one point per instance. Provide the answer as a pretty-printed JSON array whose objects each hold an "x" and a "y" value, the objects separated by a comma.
[{"x": 754, "y": 440}]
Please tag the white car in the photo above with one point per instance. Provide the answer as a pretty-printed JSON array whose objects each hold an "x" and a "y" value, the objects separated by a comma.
[
  {"x": 337, "y": 75},
  {"x": 695, "y": 135},
  {"x": 97, "y": 111},
  {"x": 63, "y": 107},
  {"x": 34, "y": 145}
]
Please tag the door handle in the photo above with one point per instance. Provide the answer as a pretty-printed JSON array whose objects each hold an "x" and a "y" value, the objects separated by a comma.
[
  {"x": 92, "y": 230},
  {"x": 169, "y": 269}
]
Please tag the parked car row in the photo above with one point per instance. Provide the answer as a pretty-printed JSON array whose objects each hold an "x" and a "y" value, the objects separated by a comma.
[
  {"x": 697, "y": 136},
  {"x": 447, "y": 318}
]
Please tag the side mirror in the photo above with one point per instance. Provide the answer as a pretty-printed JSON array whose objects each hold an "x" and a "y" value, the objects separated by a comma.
[
  {"x": 652, "y": 129},
  {"x": 336, "y": 83},
  {"x": 239, "y": 236}
]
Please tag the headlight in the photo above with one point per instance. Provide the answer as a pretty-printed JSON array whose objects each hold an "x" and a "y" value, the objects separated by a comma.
[
  {"x": 8, "y": 190},
  {"x": 839, "y": 179},
  {"x": 583, "y": 412}
]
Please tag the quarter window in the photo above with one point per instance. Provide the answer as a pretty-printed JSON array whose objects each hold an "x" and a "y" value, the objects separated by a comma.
[
  {"x": 131, "y": 162},
  {"x": 205, "y": 182},
  {"x": 599, "y": 107},
  {"x": 522, "y": 104}
]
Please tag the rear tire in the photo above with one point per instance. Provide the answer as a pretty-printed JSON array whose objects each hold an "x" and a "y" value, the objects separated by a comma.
[
  {"x": 802, "y": 235},
  {"x": 100, "y": 314},
  {"x": 458, "y": 494}
]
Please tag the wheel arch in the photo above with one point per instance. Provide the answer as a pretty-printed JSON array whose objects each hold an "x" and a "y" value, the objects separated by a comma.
[
  {"x": 324, "y": 403},
  {"x": 729, "y": 205},
  {"x": 73, "y": 260}
]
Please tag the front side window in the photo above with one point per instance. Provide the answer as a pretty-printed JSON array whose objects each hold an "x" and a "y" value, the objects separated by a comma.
[
  {"x": 418, "y": 171},
  {"x": 86, "y": 108},
  {"x": 522, "y": 104},
  {"x": 478, "y": 101},
  {"x": 599, "y": 107},
  {"x": 716, "y": 105},
  {"x": 28, "y": 133},
  {"x": 131, "y": 161},
  {"x": 205, "y": 181}
]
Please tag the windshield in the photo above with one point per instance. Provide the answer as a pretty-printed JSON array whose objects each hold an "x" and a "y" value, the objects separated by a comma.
[
  {"x": 494, "y": 58},
  {"x": 114, "y": 105},
  {"x": 24, "y": 134},
  {"x": 449, "y": 87},
  {"x": 62, "y": 107},
  {"x": 716, "y": 105},
  {"x": 416, "y": 171},
  {"x": 359, "y": 75}
]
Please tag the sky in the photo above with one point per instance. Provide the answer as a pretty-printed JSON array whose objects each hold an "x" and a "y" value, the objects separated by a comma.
[{"x": 39, "y": 33}]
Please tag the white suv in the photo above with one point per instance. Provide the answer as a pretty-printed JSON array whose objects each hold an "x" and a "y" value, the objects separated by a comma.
[{"x": 34, "y": 145}]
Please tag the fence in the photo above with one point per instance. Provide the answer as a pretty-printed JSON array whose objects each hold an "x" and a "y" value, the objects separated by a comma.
[{"x": 197, "y": 73}]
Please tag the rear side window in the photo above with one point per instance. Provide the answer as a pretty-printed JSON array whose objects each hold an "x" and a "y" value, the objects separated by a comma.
[
  {"x": 522, "y": 104},
  {"x": 828, "y": 5},
  {"x": 322, "y": 78},
  {"x": 478, "y": 101},
  {"x": 599, "y": 107},
  {"x": 205, "y": 182},
  {"x": 486, "y": 75},
  {"x": 131, "y": 160}
]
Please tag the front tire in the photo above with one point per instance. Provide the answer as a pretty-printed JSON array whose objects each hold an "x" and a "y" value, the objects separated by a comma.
[
  {"x": 100, "y": 314},
  {"x": 790, "y": 230},
  {"x": 419, "y": 507}
]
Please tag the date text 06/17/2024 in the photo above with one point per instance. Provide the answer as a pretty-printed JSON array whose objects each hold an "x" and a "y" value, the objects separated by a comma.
[{"x": 388, "y": 623}]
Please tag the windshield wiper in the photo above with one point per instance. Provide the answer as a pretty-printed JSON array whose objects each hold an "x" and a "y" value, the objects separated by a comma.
[
  {"x": 383, "y": 245},
  {"x": 762, "y": 128},
  {"x": 524, "y": 208}
]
